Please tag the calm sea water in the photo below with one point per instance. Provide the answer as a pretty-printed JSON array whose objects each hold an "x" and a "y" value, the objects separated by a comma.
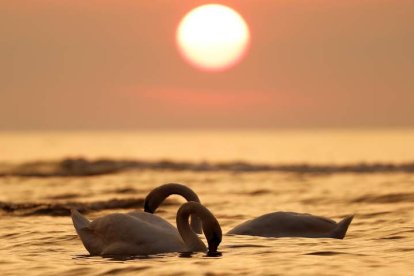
[{"x": 37, "y": 238}]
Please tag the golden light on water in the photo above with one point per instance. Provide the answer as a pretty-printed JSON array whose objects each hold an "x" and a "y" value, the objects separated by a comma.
[{"x": 213, "y": 37}]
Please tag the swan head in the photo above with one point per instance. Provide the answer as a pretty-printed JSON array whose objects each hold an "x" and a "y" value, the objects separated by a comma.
[
  {"x": 153, "y": 200},
  {"x": 212, "y": 231},
  {"x": 147, "y": 207},
  {"x": 213, "y": 243}
]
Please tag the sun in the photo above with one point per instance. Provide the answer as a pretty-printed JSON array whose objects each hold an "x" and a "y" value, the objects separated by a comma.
[{"x": 213, "y": 37}]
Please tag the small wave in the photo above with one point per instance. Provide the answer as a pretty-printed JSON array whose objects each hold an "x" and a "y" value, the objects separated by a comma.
[
  {"x": 247, "y": 246},
  {"x": 259, "y": 192},
  {"x": 327, "y": 253},
  {"x": 132, "y": 270},
  {"x": 63, "y": 209},
  {"x": 388, "y": 198},
  {"x": 64, "y": 196},
  {"x": 125, "y": 191},
  {"x": 373, "y": 214},
  {"x": 393, "y": 238},
  {"x": 84, "y": 167}
]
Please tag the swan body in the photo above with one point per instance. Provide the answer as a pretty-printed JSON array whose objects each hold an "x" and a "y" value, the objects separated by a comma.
[
  {"x": 125, "y": 234},
  {"x": 142, "y": 234},
  {"x": 290, "y": 224},
  {"x": 152, "y": 219}
]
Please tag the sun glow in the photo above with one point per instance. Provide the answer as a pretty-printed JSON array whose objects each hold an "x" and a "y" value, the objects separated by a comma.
[{"x": 213, "y": 37}]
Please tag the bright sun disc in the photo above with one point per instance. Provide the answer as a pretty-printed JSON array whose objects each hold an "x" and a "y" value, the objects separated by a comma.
[{"x": 213, "y": 37}]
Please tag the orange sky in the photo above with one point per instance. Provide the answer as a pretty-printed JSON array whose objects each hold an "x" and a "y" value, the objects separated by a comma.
[{"x": 78, "y": 64}]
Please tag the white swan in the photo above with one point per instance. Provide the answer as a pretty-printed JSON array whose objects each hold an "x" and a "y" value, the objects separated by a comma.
[
  {"x": 289, "y": 224},
  {"x": 125, "y": 234}
]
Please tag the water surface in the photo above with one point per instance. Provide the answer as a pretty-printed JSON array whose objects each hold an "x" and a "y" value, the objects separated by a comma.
[{"x": 38, "y": 238}]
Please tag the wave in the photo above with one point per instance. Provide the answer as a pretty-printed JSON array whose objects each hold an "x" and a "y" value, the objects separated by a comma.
[
  {"x": 84, "y": 167},
  {"x": 388, "y": 198},
  {"x": 63, "y": 209}
]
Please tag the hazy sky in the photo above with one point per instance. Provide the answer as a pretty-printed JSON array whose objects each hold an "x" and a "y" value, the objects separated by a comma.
[{"x": 79, "y": 64}]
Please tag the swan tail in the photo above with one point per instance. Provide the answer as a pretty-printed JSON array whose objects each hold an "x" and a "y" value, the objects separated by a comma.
[
  {"x": 79, "y": 221},
  {"x": 342, "y": 227},
  {"x": 88, "y": 238}
]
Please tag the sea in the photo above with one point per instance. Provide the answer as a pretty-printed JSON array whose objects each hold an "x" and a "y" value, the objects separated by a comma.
[{"x": 238, "y": 175}]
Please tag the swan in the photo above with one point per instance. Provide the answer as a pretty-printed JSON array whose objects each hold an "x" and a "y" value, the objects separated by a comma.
[
  {"x": 125, "y": 234},
  {"x": 155, "y": 198},
  {"x": 290, "y": 224}
]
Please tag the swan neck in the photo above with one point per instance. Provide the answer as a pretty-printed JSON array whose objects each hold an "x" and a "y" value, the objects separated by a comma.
[
  {"x": 157, "y": 196},
  {"x": 211, "y": 227},
  {"x": 192, "y": 242},
  {"x": 178, "y": 189}
]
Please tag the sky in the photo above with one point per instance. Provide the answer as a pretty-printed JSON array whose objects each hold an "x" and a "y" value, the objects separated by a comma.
[{"x": 114, "y": 64}]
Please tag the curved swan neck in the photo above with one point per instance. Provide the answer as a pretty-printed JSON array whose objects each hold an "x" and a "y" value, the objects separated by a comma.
[
  {"x": 155, "y": 198},
  {"x": 210, "y": 224},
  {"x": 159, "y": 194}
]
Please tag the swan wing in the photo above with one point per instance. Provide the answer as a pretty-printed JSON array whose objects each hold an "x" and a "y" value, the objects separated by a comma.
[
  {"x": 123, "y": 234},
  {"x": 154, "y": 220},
  {"x": 286, "y": 224}
]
